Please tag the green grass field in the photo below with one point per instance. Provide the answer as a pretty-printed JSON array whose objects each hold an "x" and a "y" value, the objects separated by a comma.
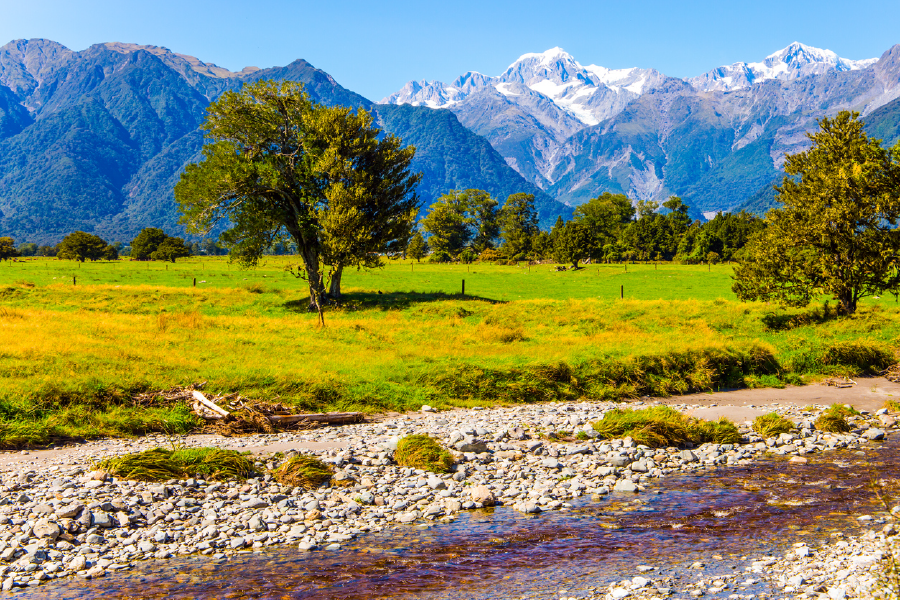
[{"x": 72, "y": 356}]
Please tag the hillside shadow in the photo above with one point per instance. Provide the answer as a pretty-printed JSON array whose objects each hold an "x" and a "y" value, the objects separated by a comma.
[{"x": 387, "y": 300}]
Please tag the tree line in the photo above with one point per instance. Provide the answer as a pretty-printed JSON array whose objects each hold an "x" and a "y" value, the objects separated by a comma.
[
  {"x": 150, "y": 244},
  {"x": 470, "y": 224}
]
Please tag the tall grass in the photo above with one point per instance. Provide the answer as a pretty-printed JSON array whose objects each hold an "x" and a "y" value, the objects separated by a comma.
[{"x": 72, "y": 357}]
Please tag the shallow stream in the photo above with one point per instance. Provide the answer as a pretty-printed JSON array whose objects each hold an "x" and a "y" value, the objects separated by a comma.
[{"x": 723, "y": 518}]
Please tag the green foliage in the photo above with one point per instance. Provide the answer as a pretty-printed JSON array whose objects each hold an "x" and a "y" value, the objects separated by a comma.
[
  {"x": 28, "y": 249},
  {"x": 836, "y": 230},
  {"x": 518, "y": 224},
  {"x": 572, "y": 243},
  {"x": 833, "y": 419},
  {"x": 147, "y": 242},
  {"x": 8, "y": 248},
  {"x": 170, "y": 249},
  {"x": 662, "y": 426},
  {"x": 83, "y": 246},
  {"x": 422, "y": 452},
  {"x": 160, "y": 464},
  {"x": 842, "y": 358},
  {"x": 462, "y": 219},
  {"x": 307, "y": 472},
  {"x": 605, "y": 217},
  {"x": 417, "y": 247},
  {"x": 771, "y": 424}
]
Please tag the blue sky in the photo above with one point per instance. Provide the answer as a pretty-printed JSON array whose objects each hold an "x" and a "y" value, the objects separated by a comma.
[{"x": 373, "y": 48}]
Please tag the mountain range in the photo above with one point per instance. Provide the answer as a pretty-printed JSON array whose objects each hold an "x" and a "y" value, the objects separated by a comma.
[
  {"x": 96, "y": 139},
  {"x": 717, "y": 140}
]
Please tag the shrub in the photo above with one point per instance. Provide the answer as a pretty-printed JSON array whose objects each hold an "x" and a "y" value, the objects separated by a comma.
[
  {"x": 468, "y": 256},
  {"x": 159, "y": 464},
  {"x": 440, "y": 257},
  {"x": 833, "y": 420},
  {"x": 660, "y": 426},
  {"x": 307, "y": 472},
  {"x": 490, "y": 255},
  {"x": 771, "y": 424},
  {"x": 422, "y": 452}
]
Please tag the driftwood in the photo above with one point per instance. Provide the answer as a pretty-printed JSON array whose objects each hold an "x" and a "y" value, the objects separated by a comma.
[
  {"x": 209, "y": 404},
  {"x": 330, "y": 418},
  {"x": 839, "y": 382}
]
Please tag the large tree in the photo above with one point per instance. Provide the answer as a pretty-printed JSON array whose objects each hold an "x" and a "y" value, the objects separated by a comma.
[
  {"x": 146, "y": 242},
  {"x": 8, "y": 248},
  {"x": 835, "y": 232},
  {"x": 605, "y": 218},
  {"x": 279, "y": 166},
  {"x": 518, "y": 225}
]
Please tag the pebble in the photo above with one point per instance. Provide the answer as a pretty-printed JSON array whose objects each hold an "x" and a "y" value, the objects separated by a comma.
[{"x": 81, "y": 521}]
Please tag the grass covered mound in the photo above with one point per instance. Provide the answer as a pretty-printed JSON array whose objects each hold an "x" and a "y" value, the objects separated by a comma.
[
  {"x": 662, "y": 426},
  {"x": 834, "y": 419},
  {"x": 771, "y": 424},
  {"x": 160, "y": 464},
  {"x": 307, "y": 472},
  {"x": 422, "y": 452}
]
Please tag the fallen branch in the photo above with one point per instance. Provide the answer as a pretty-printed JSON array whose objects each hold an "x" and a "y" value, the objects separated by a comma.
[{"x": 330, "y": 418}]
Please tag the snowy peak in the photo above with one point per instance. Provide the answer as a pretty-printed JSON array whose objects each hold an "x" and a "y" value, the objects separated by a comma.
[
  {"x": 793, "y": 62},
  {"x": 589, "y": 94}
]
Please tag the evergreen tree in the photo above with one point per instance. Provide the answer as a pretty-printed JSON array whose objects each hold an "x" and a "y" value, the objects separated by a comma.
[{"x": 518, "y": 225}]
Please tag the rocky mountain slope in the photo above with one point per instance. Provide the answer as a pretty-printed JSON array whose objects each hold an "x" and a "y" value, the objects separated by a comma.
[
  {"x": 95, "y": 140},
  {"x": 717, "y": 140}
]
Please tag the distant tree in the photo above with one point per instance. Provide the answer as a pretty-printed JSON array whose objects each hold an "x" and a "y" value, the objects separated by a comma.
[
  {"x": 170, "y": 249},
  {"x": 8, "y": 248},
  {"x": 47, "y": 250},
  {"x": 211, "y": 247},
  {"x": 518, "y": 225},
  {"x": 542, "y": 245},
  {"x": 462, "y": 219},
  {"x": 605, "y": 218},
  {"x": 146, "y": 243},
  {"x": 110, "y": 253},
  {"x": 417, "y": 248},
  {"x": 28, "y": 249},
  {"x": 82, "y": 246},
  {"x": 573, "y": 243},
  {"x": 835, "y": 232}
]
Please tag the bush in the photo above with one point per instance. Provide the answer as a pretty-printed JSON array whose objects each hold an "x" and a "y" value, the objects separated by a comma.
[
  {"x": 307, "y": 472},
  {"x": 440, "y": 257},
  {"x": 159, "y": 464},
  {"x": 771, "y": 424},
  {"x": 490, "y": 255},
  {"x": 661, "y": 426},
  {"x": 422, "y": 452},
  {"x": 468, "y": 256},
  {"x": 843, "y": 358},
  {"x": 833, "y": 419}
]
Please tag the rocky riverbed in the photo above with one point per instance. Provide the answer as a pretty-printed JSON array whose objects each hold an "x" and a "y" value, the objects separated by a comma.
[{"x": 63, "y": 517}]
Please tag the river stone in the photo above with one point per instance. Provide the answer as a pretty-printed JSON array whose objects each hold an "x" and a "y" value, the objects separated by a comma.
[
  {"x": 101, "y": 519},
  {"x": 256, "y": 523},
  {"x": 307, "y": 546},
  {"x": 482, "y": 494},
  {"x": 624, "y": 485},
  {"x": 69, "y": 511},
  {"x": 236, "y": 543},
  {"x": 640, "y": 467},
  {"x": 78, "y": 563},
  {"x": 873, "y": 434},
  {"x": 687, "y": 456},
  {"x": 146, "y": 546},
  {"x": 46, "y": 529},
  {"x": 408, "y": 517},
  {"x": 436, "y": 483},
  {"x": 254, "y": 503},
  {"x": 534, "y": 445},
  {"x": 475, "y": 447},
  {"x": 549, "y": 463},
  {"x": 619, "y": 461}
]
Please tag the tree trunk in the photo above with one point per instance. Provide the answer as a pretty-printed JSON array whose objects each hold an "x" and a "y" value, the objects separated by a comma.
[
  {"x": 314, "y": 279},
  {"x": 334, "y": 289},
  {"x": 847, "y": 302}
]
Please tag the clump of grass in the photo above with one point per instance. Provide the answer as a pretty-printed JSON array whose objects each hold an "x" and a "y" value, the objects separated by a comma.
[
  {"x": 771, "y": 424},
  {"x": 892, "y": 406},
  {"x": 833, "y": 419},
  {"x": 660, "y": 426},
  {"x": 160, "y": 464},
  {"x": 422, "y": 452},
  {"x": 255, "y": 288},
  {"x": 307, "y": 472}
]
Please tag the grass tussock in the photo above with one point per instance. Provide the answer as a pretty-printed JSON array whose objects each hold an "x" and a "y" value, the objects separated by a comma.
[
  {"x": 844, "y": 358},
  {"x": 892, "y": 406},
  {"x": 834, "y": 419},
  {"x": 662, "y": 426},
  {"x": 307, "y": 472},
  {"x": 771, "y": 424},
  {"x": 422, "y": 452},
  {"x": 160, "y": 464}
]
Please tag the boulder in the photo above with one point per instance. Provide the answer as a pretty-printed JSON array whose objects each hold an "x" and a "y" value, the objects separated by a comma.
[{"x": 483, "y": 495}]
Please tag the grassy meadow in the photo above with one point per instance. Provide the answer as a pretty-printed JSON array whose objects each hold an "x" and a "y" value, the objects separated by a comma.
[{"x": 72, "y": 356}]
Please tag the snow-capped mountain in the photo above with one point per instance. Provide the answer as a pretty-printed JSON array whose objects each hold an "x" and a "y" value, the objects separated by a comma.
[
  {"x": 795, "y": 61},
  {"x": 588, "y": 93}
]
